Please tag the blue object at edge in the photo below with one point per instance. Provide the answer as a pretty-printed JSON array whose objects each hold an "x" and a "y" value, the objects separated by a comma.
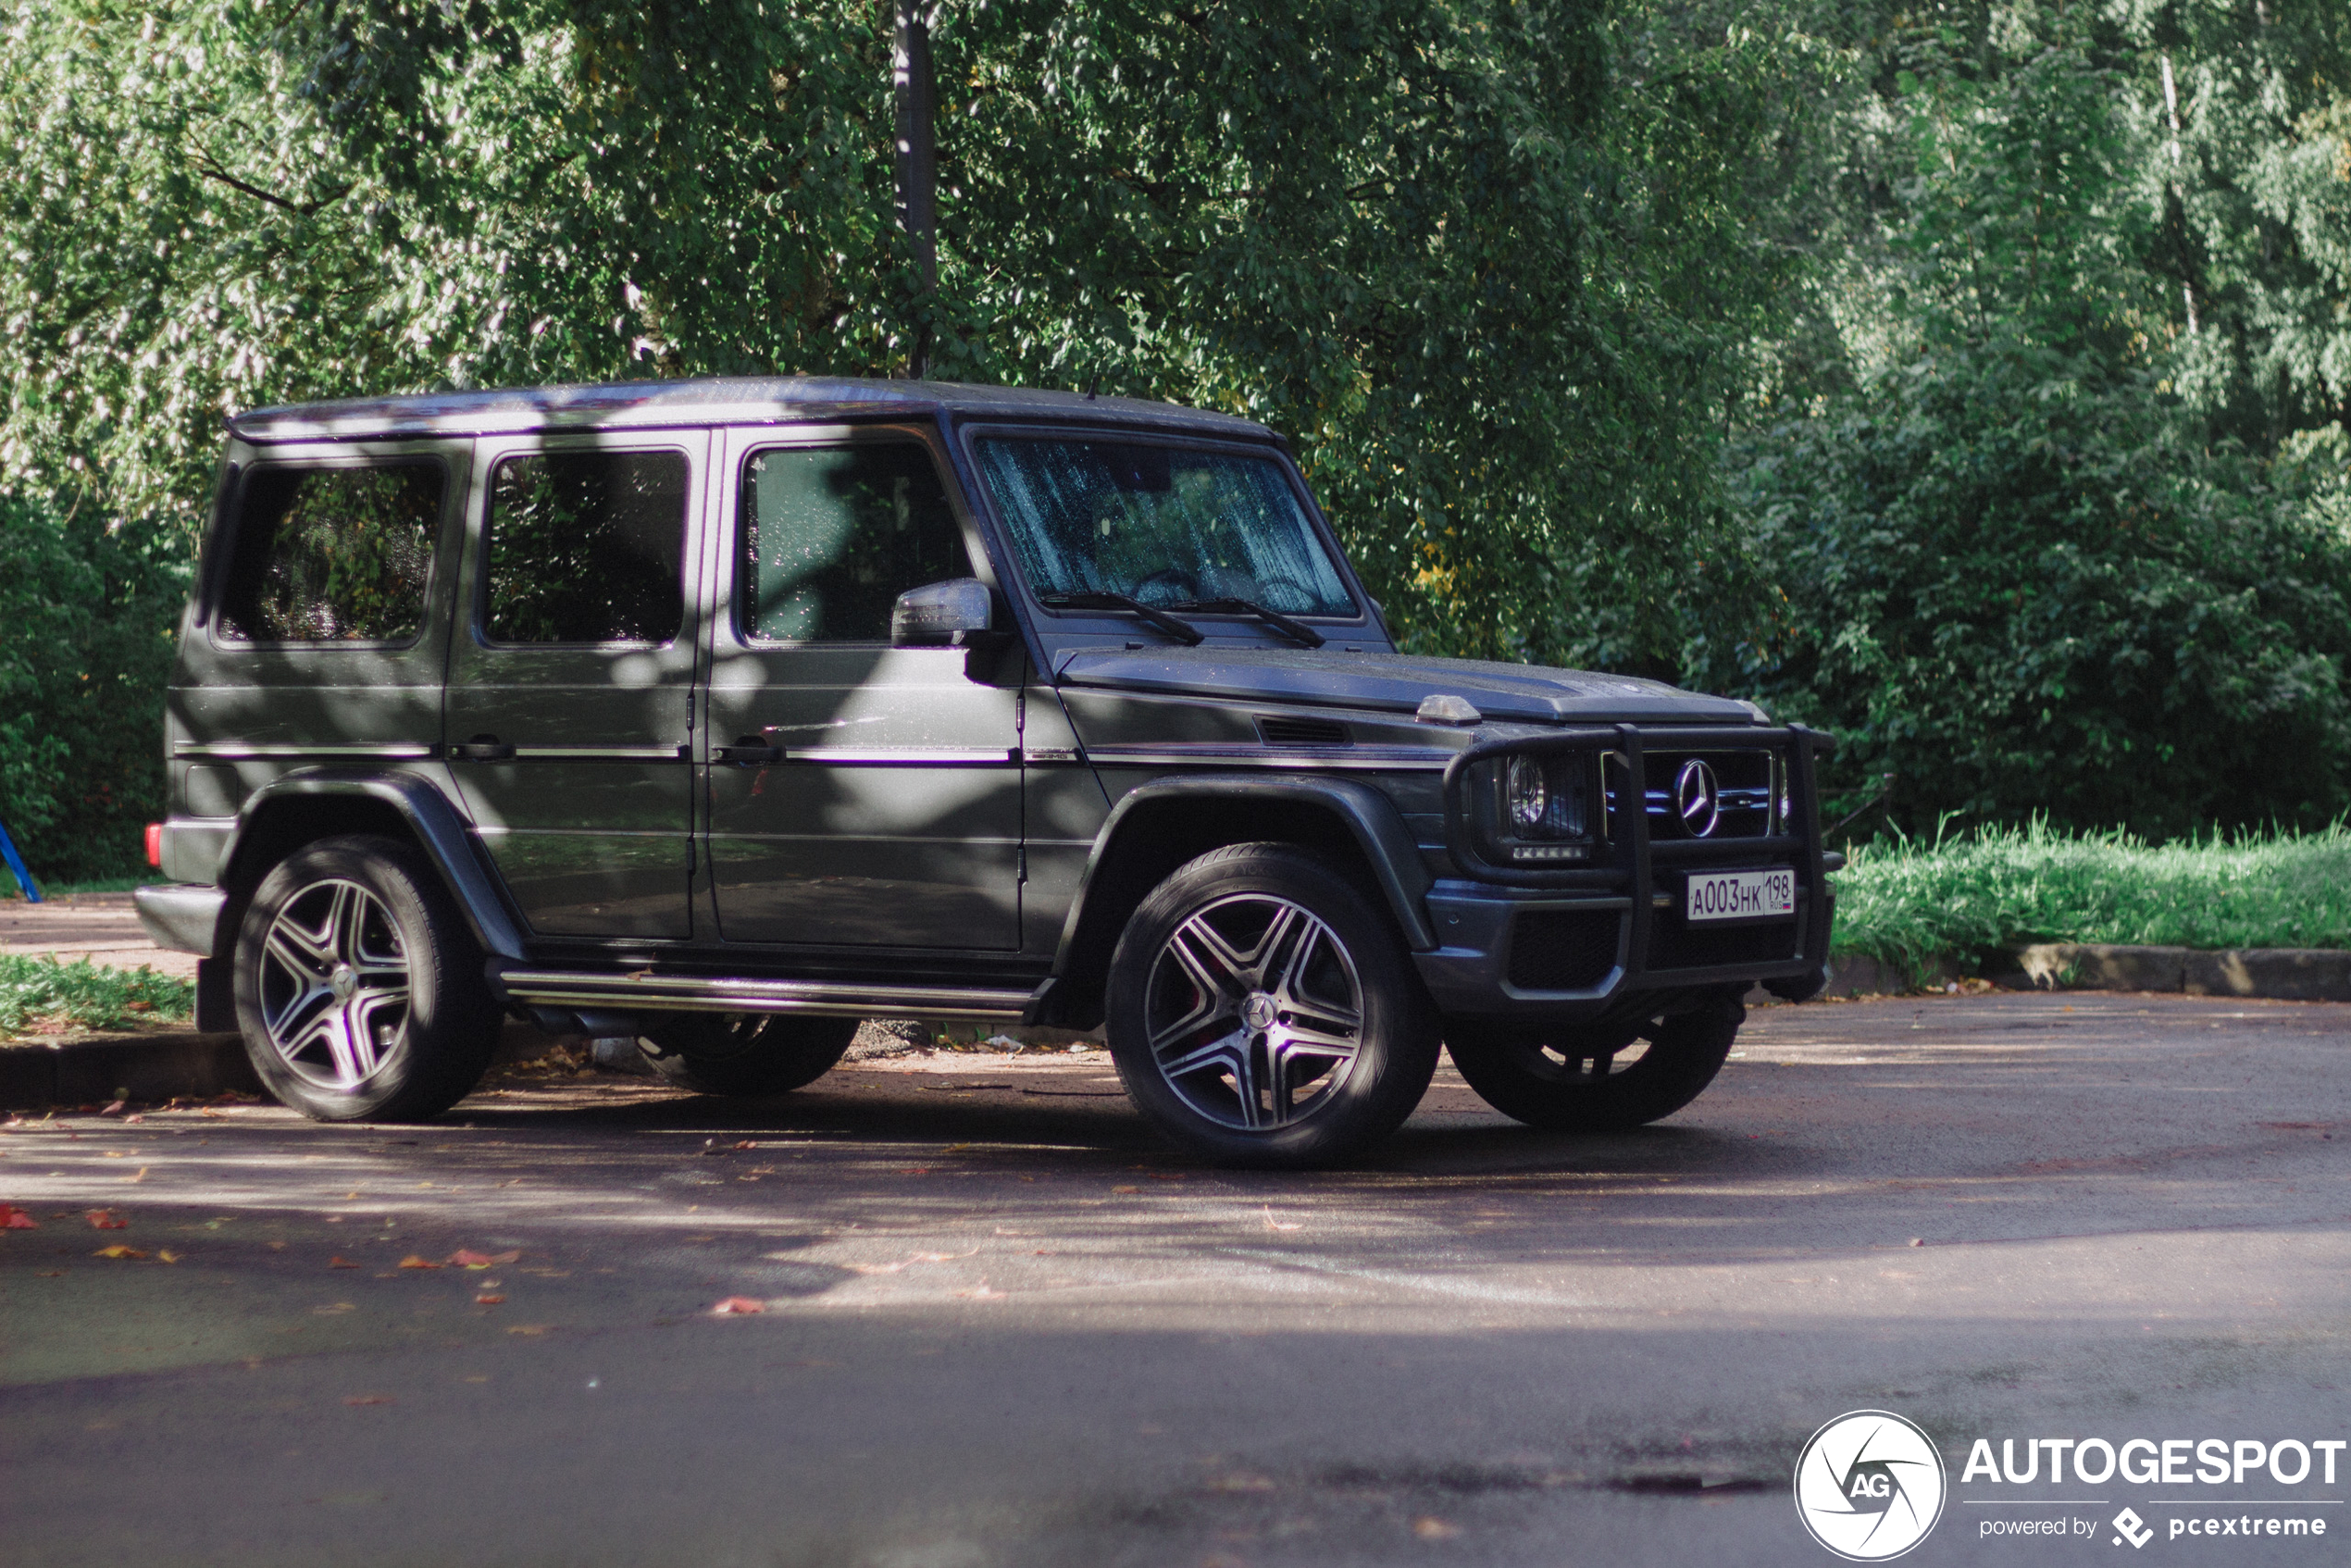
[{"x": 15, "y": 864}]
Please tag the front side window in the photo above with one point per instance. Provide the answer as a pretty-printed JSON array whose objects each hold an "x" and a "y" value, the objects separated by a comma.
[
  {"x": 587, "y": 547},
  {"x": 333, "y": 555},
  {"x": 1164, "y": 525},
  {"x": 832, "y": 535}
]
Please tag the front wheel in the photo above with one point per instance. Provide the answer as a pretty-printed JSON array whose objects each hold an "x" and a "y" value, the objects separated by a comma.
[
  {"x": 1264, "y": 1012},
  {"x": 1567, "y": 1080},
  {"x": 747, "y": 1054},
  {"x": 359, "y": 990}
]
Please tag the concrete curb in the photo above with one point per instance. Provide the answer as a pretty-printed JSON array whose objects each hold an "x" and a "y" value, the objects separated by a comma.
[
  {"x": 2278, "y": 973},
  {"x": 134, "y": 1066},
  {"x": 157, "y": 1065}
]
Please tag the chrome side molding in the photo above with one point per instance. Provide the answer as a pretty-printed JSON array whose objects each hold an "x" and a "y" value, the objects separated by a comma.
[{"x": 695, "y": 994}]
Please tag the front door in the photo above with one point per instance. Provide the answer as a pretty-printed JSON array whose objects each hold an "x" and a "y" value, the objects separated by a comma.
[
  {"x": 887, "y": 812},
  {"x": 571, "y": 688}
]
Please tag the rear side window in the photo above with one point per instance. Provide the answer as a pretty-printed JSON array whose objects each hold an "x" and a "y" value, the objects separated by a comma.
[
  {"x": 587, "y": 547},
  {"x": 832, "y": 535},
  {"x": 333, "y": 555}
]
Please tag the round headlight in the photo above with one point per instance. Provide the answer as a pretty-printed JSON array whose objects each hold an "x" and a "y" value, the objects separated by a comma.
[{"x": 1525, "y": 791}]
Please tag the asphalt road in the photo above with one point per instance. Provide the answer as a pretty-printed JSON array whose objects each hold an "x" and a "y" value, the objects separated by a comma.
[{"x": 1001, "y": 1327}]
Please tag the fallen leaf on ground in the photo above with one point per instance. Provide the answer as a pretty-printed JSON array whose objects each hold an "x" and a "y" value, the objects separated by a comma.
[
  {"x": 412, "y": 1261},
  {"x": 738, "y": 1305},
  {"x": 1125, "y": 1190},
  {"x": 1430, "y": 1528},
  {"x": 982, "y": 1294},
  {"x": 134, "y": 1118},
  {"x": 141, "y": 1177},
  {"x": 118, "y": 1251},
  {"x": 368, "y": 1399},
  {"x": 168, "y": 1256},
  {"x": 340, "y": 1261},
  {"x": 112, "y": 1107},
  {"x": 107, "y": 1219},
  {"x": 50, "y": 1274},
  {"x": 466, "y": 1258},
  {"x": 13, "y": 1218},
  {"x": 489, "y": 1300},
  {"x": 1273, "y": 1224},
  {"x": 528, "y": 1328}
]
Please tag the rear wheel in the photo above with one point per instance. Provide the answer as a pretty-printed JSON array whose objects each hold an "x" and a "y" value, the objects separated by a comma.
[
  {"x": 1262, "y": 1011},
  {"x": 1565, "y": 1081},
  {"x": 359, "y": 990},
  {"x": 746, "y": 1054}
]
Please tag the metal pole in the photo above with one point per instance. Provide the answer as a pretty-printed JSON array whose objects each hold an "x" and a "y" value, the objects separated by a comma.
[
  {"x": 917, "y": 160},
  {"x": 15, "y": 865}
]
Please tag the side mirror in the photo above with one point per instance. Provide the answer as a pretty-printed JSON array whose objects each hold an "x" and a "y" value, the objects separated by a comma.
[{"x": 954, "y": 613}]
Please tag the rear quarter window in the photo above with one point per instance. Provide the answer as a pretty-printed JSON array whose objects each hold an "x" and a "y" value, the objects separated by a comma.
[{"x": 333, "y": 554}]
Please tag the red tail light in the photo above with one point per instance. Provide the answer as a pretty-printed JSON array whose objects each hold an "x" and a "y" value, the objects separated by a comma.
[{"x": 154, "y": 844}]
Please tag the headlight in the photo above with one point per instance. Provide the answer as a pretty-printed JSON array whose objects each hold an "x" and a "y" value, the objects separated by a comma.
[
  {"x": 1530, "y": 801},
  {"x": 1540, "y": 808}
]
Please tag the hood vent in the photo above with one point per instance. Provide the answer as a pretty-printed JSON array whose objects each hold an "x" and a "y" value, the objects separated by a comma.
[{"x": 1302, "y": 732}]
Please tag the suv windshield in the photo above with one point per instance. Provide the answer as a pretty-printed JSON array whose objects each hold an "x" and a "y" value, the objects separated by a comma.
[{"x": 1164, "y": 525}]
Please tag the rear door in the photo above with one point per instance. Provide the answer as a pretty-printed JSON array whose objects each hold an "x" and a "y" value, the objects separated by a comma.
[
  {"x": 889, "y": 812},
  {"x": 570, "y": 696}
]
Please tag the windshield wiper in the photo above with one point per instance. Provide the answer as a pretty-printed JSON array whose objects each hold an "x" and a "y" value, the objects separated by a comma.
[
  {"x": 1275, "y": 619},
  {"x": 1181, "y": 630}
]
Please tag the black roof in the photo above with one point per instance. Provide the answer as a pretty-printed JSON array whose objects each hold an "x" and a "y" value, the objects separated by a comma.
[{"x": 714, "y": 400}]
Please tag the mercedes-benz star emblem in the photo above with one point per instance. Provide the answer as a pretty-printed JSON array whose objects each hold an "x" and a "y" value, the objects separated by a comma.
[{"x": 1696, "y": 799}]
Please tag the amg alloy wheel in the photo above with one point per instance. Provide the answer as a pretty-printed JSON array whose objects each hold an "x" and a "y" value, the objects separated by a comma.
[
  {"x": 1569, "y": 1080},
  {"x": 359, "y": 991},
  {"x": 1262, "y": 1011}
]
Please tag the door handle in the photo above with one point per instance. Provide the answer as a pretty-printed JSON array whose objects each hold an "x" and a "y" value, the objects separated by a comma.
[
  {"x": 749, "y": 752},
  {"x": 482, "y": 748}
]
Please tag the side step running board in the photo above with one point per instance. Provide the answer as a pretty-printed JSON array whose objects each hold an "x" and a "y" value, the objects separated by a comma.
[{"x": 692, "y": 993}]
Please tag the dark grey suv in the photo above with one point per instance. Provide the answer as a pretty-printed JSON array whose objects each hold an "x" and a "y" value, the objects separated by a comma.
[{"x": 723, "y": 714}]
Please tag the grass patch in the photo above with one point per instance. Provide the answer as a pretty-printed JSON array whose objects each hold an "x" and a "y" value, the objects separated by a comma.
[
  {"x": 86, "y": 995},
  {"x": 1904, "y": 901}
]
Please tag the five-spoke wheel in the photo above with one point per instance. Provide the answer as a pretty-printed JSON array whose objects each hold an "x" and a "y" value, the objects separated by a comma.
[
  {"x": 334, "y": 984},
  {"x": 1262, "y": 1010},
  {"x": 359, "y": 990}
]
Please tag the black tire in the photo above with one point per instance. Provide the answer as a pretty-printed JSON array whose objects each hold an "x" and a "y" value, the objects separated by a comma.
[
  {"x": 1562, "y": 1082},
  {"x": 359, "y": 990},
  {"x": 739, "y": 1053},
  {"x": 1313, "y": 1038}
]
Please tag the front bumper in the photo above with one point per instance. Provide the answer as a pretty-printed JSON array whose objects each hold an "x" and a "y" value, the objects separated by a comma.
[{"x": 1572, "y": 944}]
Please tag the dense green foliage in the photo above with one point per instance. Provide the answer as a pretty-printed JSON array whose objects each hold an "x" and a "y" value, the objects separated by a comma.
[
  {"x": 1906, "y": 901},
  {"x": 1922, "y": 371},
  {"x": 2048, "y": 541},
  {"x": 87, "y": 615}
]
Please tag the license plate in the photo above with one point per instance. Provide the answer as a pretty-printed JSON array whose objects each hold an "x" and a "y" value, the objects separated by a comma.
[{"x": 1714, "y": 897}]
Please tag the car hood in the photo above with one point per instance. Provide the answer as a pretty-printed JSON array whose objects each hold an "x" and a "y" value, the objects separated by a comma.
[{"x": 1396, "y": 683}]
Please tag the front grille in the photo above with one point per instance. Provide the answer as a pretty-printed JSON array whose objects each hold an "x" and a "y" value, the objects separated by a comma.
[
  {"x": 1562, "y": 950},
  {"x": 1302, "y": 731},
  {"x": 1677, "y": 947},
  {"x": 1742, "y": 779}
]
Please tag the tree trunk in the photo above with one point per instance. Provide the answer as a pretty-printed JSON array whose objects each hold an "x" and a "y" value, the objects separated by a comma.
[{"x": 917, "y": 163}]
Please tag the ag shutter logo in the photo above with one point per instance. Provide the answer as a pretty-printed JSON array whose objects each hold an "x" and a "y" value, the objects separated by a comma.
[{"x": 1869, "y": 1485}]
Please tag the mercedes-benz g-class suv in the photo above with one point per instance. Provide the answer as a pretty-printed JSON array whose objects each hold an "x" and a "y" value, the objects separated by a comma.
[{"x": 720, "y": 715}]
